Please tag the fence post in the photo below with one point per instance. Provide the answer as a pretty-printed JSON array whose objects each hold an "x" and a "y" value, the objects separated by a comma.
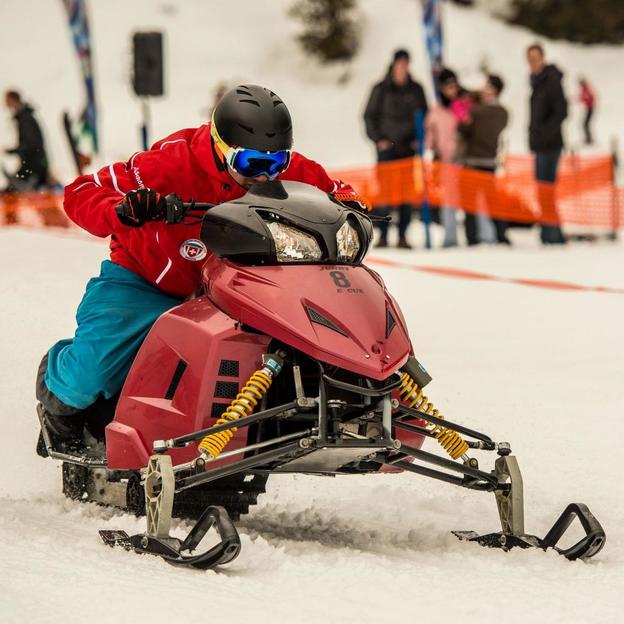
[{"x": 615, "y": 196}]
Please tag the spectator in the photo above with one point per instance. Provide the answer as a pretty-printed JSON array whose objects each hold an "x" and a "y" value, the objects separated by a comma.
[
  {"x": 33, "y": 171},
  {"x": 548, "y": 110},
  {"x": 441, "y": 137},
  {"x": 481, "y": 132},
  {"x": 390, "y": 118},
  {"x": 588, "y": 98}
]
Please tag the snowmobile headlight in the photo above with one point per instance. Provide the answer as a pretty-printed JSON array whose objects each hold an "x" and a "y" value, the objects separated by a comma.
[
  {"x": 293, "y": 245},
  {"x": 348, "y": 243}
]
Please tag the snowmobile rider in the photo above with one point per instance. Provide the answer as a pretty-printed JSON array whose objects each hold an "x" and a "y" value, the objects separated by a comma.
[{"x": 153, "y": 266}]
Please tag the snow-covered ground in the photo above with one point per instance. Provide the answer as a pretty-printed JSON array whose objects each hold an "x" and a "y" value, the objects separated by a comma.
[
  {"x": 541, "y": 368},
  {"x": 208, "y": 42}
]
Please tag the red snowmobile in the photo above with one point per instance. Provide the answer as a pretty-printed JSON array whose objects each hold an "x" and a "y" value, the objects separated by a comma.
[{"x": 293, "y": 358}]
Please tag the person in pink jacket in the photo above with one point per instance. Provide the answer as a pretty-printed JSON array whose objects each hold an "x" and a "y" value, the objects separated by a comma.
[
  {"x": 441, "y": 137},
  {"x": 587, "y": 97}
]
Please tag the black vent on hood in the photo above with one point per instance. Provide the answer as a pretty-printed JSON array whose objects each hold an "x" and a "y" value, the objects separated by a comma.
[
  {"x": 319, "y": 319},
  {"x": 390, "y": 322}
]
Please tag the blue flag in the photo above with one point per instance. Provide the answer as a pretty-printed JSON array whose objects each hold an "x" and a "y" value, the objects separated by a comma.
[
  {"x": 79, "y": 26},
  {"x": 432, "y": 21}
]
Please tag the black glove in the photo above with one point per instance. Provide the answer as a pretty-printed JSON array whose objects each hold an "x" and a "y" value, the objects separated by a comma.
[{"x": 141, "y": 206}]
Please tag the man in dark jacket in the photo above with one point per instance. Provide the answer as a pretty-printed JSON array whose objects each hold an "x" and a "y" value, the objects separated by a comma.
[
  {"x": 548, "y": 110},
  {"x": 481, "y": 133},
  {"x": 33, "y": 170},
  {"x": 390, "y": 123}
]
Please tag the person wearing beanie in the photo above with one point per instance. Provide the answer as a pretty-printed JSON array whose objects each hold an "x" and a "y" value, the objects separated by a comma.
[
  {"x": 441, "y": 137},
  {"x": 481, "y": 133},
  {"x": 390, "y": 119}
]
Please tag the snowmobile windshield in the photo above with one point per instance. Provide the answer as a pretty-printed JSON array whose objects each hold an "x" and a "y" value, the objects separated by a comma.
[{"x": 287, "y": 223}]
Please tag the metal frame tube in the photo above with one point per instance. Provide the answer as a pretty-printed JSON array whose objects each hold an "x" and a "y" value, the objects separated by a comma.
[
  {"x": 252, "y": 447},
  {"x": 386, "y": 417},
  {"x": 436, "y": 474},
  {"x": 415, "y": 429},
  {"x": 343, "y": 385},
  {"x": 444, "y": 423},
  {"x": 239, "y": 466},
  {"x": 449, "y": 464},
  {"x": 322, "y": 411},
  {"x": 235, "y": 424},
  {"x": 78, "y": 460}
]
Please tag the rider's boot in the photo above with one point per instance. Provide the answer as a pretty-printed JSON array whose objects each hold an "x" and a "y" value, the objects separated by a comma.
[{"x": 63, "y": 424}]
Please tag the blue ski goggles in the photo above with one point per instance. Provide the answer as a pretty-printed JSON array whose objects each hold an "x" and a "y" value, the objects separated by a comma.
[{"x": 251, "y": 163}]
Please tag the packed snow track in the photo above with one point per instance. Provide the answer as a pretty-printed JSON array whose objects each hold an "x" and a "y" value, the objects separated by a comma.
[{"x": 539, "y": 367}]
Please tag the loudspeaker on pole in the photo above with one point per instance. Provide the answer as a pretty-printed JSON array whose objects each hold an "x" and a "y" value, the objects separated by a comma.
[{"x": 148, "y": 71}]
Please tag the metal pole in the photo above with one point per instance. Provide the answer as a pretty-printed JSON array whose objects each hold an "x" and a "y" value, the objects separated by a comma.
[
  {"x": 425, "y": 209},
  {"x": 146, "y": 120},
  {"x": 615, "y": 197}
]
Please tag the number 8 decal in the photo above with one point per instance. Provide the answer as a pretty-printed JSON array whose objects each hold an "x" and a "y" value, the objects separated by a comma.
[{"x": 340, "y": 279}]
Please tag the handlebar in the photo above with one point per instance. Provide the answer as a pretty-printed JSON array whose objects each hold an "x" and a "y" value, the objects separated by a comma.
[{"x": 177, "y": 210}]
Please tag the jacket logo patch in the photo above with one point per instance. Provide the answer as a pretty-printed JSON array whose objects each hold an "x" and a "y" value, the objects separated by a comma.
[{"x": 193, "y": 250}]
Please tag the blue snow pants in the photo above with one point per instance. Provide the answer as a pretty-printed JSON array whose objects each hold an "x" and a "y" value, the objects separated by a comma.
[{"x": 117, "y": 310}]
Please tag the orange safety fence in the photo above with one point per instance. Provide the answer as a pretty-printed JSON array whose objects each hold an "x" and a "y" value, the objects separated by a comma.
[
  {"x": 584, "y": 194},
  {"x": 32, "y": 209}
]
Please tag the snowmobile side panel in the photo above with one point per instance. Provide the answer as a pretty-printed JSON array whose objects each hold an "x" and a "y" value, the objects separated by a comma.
[
  {"x": 163, "y": 398},
  {"x": 126, "y": 443}
]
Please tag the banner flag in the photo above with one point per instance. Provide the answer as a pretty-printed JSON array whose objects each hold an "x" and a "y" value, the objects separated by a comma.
[
  {"x": 79, "y": 26},
  {"x": 432, "y": 21}
]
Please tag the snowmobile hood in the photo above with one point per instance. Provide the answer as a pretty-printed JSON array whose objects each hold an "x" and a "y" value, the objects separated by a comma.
[{"x": 340, "y": 315}]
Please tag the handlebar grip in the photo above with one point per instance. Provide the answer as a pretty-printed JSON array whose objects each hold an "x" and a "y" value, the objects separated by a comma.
[
  {"x": 177, "y": 209},
  {"x": 198, "y": 206},
  {"x": 124, "y": 210}
]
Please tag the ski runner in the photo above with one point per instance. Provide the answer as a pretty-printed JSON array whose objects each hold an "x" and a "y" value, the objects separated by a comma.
[{"x": 154, "y": 265}]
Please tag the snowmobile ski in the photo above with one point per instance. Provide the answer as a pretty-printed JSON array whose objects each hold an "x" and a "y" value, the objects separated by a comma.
[
  {"x": 181, "y": 553},
  {"x": 159, "y": 494},
  {"x": 588, "y": 546}
]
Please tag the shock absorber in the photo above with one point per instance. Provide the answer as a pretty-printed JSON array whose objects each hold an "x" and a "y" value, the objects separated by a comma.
[
  {"x": 412, "y": 395},
  {"x": 243, "y": 405}
]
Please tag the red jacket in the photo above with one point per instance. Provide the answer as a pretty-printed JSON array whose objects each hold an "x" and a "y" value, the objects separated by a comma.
[
  {"x": 183, "y": 163},
  {"x": 587, "y": 97}
]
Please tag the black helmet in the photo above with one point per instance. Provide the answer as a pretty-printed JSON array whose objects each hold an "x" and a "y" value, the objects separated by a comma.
[{"x": 253, "y": 117}]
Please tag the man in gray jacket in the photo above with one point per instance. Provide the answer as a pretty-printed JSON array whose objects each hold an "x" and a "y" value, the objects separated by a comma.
[{"x": 390, "y": 118}]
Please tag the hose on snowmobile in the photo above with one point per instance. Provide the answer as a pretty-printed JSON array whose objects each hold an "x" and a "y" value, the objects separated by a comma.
[
  {"x": 243, "y": 405},
  {"x": 411, "y": 394}
]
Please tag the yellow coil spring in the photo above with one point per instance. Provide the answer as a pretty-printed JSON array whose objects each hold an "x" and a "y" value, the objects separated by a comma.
[
  {"x": 412, "y": 395},
  {"x": 243, "y": 405}
]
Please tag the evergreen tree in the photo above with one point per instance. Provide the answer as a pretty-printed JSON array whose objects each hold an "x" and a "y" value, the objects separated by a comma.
[
  {"x": 331, "y": 31},
  {"x": 583, "y": 21}
]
